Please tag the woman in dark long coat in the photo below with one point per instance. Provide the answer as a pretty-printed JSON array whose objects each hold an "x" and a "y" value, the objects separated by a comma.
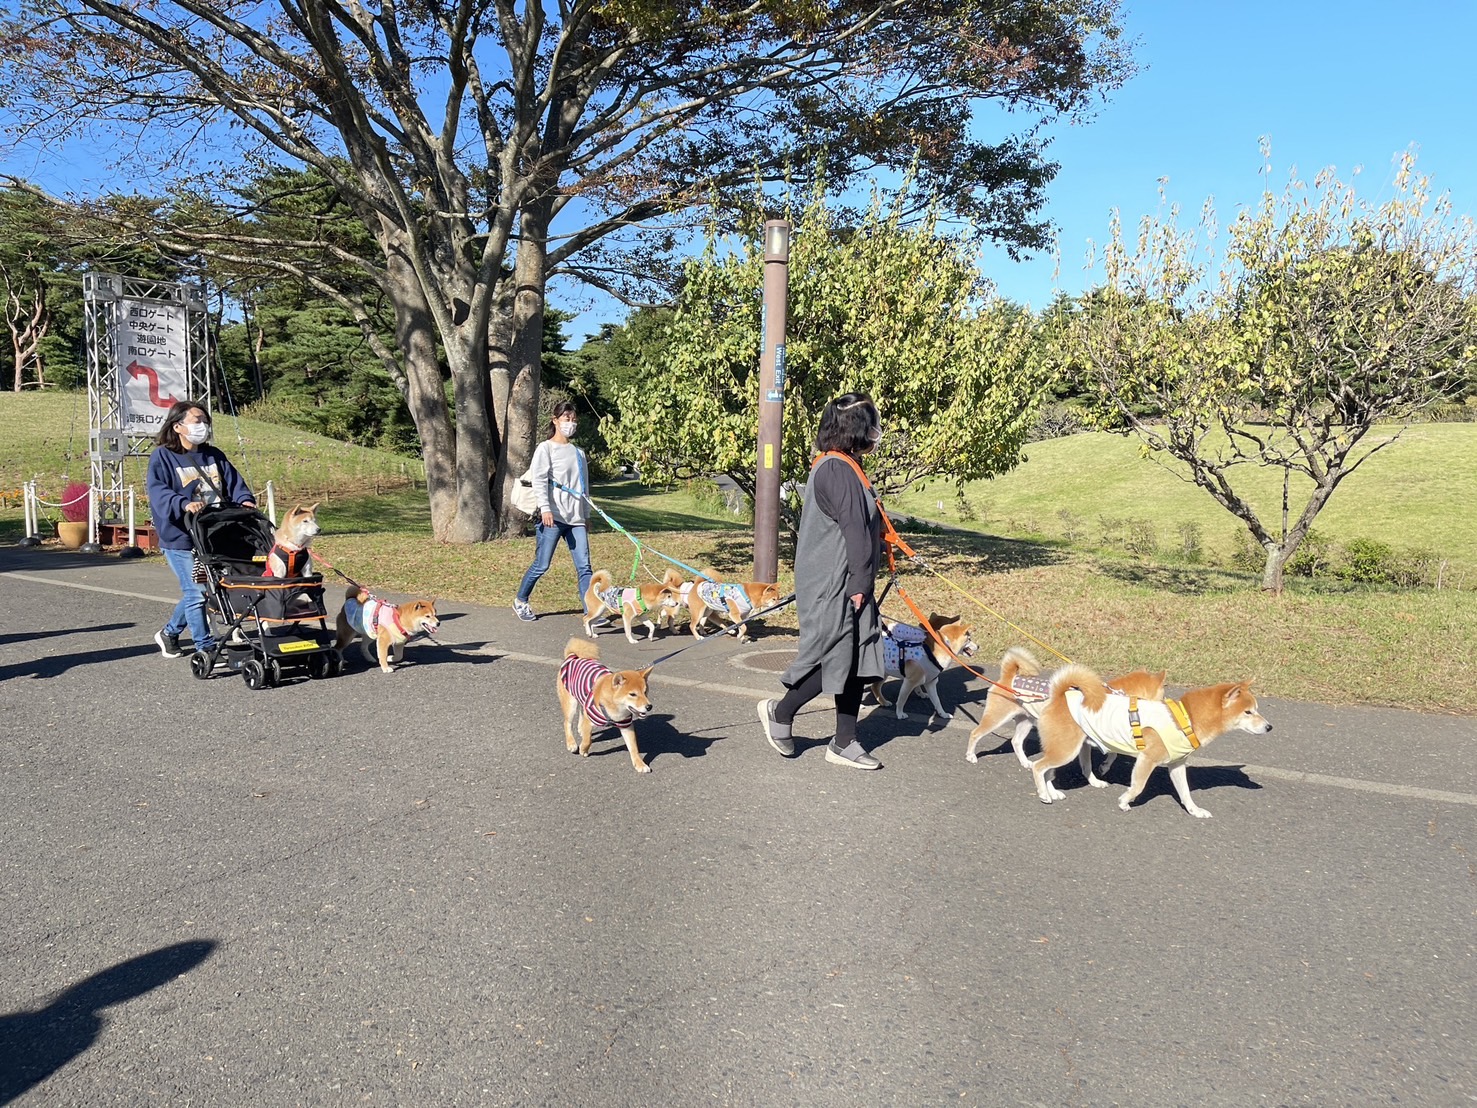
[{"x": 835, "y": 576}]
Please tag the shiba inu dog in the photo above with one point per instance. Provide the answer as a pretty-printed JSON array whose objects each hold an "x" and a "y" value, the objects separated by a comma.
[
  {"x": 1153, "y": 732},
  {"x": 289, "y": 556},
  {"x": 592, "y": 697},
  {"x": 728, "y": 602},
  {"x": 387, "y": 626},
  {"x": 647, "y": 603},
  {"x": 916, "y": 656},
  {"x": 1022, "y": 674}
]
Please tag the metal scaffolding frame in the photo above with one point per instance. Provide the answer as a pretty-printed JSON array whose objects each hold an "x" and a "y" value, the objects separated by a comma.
[{"x": 109, "y": 443}]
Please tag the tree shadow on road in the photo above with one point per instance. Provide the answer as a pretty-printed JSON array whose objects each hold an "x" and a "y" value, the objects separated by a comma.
[
  {"x": 32, "y": 636},
  {"x": 57, "y": 664},
  {"x": 35, "y": 1044}
]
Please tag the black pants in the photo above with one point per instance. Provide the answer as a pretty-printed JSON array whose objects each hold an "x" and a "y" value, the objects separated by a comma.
[{"x": 848, "y": 700}]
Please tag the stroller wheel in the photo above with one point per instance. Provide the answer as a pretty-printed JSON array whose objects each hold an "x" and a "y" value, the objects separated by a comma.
[
  {"x": 254, "y": 674},
  {"x": 200, "y": 664},
  {"x": 274, "y": 672}
]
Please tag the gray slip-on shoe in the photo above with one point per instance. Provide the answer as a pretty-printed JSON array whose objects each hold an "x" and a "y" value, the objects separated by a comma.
[
  {"x": 851, "y": 755},
  {"x": 776, "y": 732}
]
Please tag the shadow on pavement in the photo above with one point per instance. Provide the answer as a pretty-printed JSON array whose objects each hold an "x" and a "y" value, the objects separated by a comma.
[
  {"x": 35, "y": 1044},
  {"x": 32, "y": 636},
  {"x": 57, "y": 664}
]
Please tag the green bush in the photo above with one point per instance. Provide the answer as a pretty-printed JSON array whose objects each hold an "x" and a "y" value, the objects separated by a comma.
[
  {"x": 1142, "y": 539},
  {"x": 1074, "y": 527},
  {"x": 1313, "y": 557},
  {"x": 1368, "y": 562},
  {"x": 1246, "y": 554}
]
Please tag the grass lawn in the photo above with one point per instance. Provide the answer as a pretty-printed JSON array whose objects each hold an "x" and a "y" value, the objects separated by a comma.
[
  {"x": 1322, "y": 640},
  {"x": 1411, "y": 495}
]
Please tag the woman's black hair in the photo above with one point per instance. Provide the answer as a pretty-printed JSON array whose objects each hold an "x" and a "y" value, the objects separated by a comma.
[
  {"x": 848, "y": 424},
  {"x": 564, "y": 407},
  {"x": 168, "y": 436}
]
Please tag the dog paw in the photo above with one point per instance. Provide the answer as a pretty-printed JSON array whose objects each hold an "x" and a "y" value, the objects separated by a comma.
[
  {"x": 944, "y": 715},
  {"x": 1097, "y": 782},
  {"x": 643, "y": 769},
  {"x": 1198, "y": 812},
  {"x": 971, "y": 757},
  {"x": 1123, "y": 803},
  {"x": 1043, "y": 799},
  {"x": 1056, "y": 793}
]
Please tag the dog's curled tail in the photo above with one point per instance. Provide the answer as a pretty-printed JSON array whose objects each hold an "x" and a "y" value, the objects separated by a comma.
[
  {"x": 601, "y": 580},
  {"x": 353, "y": 592},
  {"x": 1089, "y": 684},
  {"x": 1018, "y": 662},
  {"x": 581, "y": 648},
  {"x": 672, "y": 578}
]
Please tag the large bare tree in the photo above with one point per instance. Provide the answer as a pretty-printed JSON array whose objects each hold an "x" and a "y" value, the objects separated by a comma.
[{"x": 491, "y": 146}]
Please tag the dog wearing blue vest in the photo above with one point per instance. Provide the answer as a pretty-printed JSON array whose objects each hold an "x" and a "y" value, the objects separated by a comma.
[
  {"x": 593, "y": 698},
  {"x": 649, "y": 603},
  {"x": 383, "y": 626},
  {"x": 1154, "y": 733}
]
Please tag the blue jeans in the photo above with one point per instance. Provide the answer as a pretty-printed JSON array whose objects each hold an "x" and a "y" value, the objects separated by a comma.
[
  {"x": 576, "y": 538},
  {"x": 190, "y": 611}
]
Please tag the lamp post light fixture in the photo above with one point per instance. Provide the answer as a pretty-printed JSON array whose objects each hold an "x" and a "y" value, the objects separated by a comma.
[{"x": 771, "y": 400}]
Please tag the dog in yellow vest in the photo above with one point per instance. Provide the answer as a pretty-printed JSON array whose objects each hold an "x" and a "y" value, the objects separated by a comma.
[{"x": 1154, "y": 733}]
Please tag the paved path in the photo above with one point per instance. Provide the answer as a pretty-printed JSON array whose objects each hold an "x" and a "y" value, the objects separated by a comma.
[{"x": 401, "y": 890}]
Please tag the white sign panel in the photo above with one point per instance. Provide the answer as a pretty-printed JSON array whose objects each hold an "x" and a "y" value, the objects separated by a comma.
[{"x": 151, "y": 351}]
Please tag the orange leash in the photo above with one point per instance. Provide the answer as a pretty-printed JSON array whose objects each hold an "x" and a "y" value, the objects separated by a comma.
[{"x": 895, "y": 542}]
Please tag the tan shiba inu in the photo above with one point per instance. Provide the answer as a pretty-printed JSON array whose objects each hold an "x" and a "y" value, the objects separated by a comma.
[
  {"x": 648, "y": 603},
  {"x": 387, "y": 626},
  {"x": 592, "y": 697},
  {"x": 289, "y": 556},
  {"x": 729, "y": 602},
  {"x": 1153, "y": 732},
  {"x": 1030, "y": 687},
  {"x": 916, "y": 656}
]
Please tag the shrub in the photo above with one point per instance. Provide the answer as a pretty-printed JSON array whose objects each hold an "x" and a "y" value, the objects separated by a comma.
[
  {"x": 1415, "y": 568},
  {"x": 1191, "y": 549},
  {"x": 1246, "y": 554},
  {"x": 1142, "y": 538},
  {"x": 1313, "y": 556},
  {"x": 1368, "y": 561},
  {"x": 1074, "y": 527},
  {"x": 74, "y": 502},
  {"x": 1109, "y": 528}
]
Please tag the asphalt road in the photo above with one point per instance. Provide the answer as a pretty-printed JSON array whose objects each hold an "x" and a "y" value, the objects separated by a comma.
[{"x": 402, "y": 890}]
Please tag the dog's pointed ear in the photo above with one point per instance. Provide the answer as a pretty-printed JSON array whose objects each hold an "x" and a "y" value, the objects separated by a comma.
[
  {"x": 646, "y": 673},
  {"x": 617, "y": 680},
  {"x": 313, "y": 507}
]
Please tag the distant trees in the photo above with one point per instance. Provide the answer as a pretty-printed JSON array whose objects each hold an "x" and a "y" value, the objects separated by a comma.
[{"x": 1327, "y": 324}]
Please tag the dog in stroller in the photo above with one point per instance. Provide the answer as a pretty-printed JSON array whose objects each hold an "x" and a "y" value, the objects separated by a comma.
[{"x": 265, "y": 627}]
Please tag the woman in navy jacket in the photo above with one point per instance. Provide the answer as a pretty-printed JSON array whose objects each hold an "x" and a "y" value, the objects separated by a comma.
[{"x": 186, "y": 474}]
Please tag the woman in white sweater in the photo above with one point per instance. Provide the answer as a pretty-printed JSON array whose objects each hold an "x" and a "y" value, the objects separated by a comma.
[{"x": 558, "y": 465}]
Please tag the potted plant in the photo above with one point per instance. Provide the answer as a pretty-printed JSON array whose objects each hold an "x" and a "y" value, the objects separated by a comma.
[{"x": 72, "y": 528}]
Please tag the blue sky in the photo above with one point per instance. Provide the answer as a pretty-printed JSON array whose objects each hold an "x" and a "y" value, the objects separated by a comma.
[{"x": 1342, "y": 84}]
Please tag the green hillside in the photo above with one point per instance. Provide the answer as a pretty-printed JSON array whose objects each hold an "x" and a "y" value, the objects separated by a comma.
[{"x": 1413, "y": 494}]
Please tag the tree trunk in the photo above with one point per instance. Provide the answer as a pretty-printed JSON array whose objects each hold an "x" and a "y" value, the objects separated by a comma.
[
  {"x": 525, "y": 346},
  {"x": 1277, "y": 556},
  {"x": 425, "y": 397}
]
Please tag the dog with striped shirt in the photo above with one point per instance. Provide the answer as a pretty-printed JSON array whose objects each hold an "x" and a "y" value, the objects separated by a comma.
[{"x": 593, "y": 697}]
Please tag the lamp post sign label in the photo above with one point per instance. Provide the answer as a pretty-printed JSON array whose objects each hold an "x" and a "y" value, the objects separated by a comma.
[{"x": 779, "y": 366}]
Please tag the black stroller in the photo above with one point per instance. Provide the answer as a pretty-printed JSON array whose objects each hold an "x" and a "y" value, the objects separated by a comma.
[{"x": 263, "y": 626}]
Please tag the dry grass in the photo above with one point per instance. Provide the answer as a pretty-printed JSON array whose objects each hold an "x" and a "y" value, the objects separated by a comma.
[{"x": 1351, "y": 645}]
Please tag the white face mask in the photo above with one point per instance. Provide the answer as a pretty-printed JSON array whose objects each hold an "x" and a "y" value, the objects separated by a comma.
[
  {"x": 567, "y": 428},
  {"x": 195, "y": 433}
]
